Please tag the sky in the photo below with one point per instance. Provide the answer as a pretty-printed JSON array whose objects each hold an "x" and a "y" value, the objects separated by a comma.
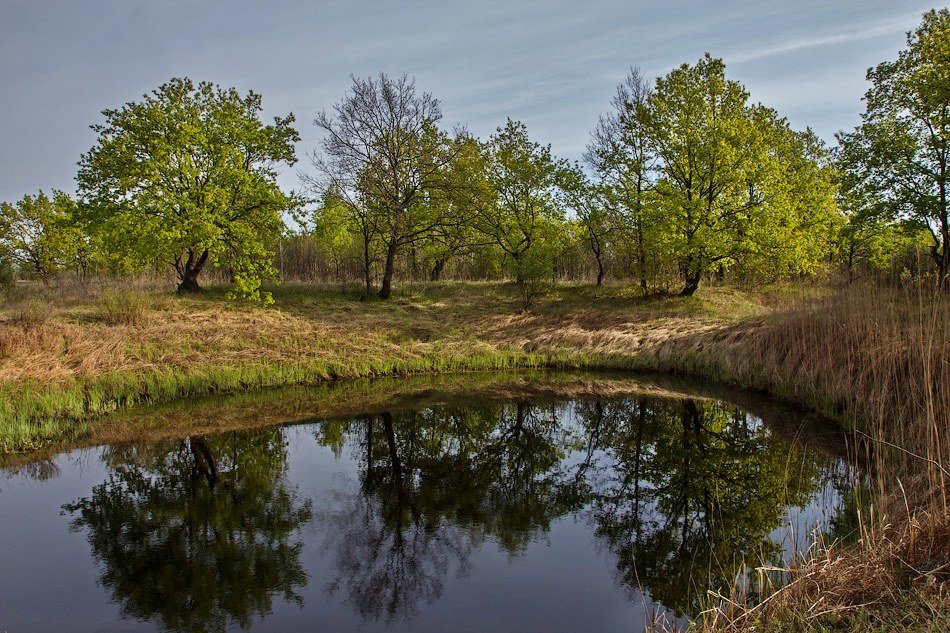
[{"x": 552, "y": 64}]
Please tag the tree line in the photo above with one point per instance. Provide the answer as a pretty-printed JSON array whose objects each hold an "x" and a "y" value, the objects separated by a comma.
[{"x": 685, "y": 178}]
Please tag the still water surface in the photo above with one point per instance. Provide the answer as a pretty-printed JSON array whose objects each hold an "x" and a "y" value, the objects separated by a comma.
[{"x": 483, "y": 513}]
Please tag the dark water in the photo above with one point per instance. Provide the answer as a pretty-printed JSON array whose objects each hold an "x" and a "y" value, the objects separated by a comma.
[{"x": 521, "y": 512}]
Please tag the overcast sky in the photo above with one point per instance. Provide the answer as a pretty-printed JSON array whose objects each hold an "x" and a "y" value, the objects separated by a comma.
[{"x": 551, "y": 64}]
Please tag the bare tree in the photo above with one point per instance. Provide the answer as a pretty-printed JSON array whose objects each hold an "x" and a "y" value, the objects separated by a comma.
[
  {"x": 382, "y": 152},
  {"x": 622, "y": 154}
]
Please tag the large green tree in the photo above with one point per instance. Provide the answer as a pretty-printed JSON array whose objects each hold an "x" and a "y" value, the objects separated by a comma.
[
  {"x": 464, "y": 190},
  {"x": 736, "y": 184},
  {"x": 899, "y": 152},
  {"x": 188, "y": 177},
  {"x": 201, "y": 534}
]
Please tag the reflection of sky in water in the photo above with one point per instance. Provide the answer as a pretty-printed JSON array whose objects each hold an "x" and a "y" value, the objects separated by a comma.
[{"x": 428, "y": 559}]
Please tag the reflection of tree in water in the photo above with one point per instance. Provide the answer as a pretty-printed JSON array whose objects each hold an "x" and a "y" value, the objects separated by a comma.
[
  {"x": 435, "y": 484},
  {"x": 682, "y": 493},
  {"x": 197, "y": 535},
  {"x": 38, "y": 470},
  {"x": 687, "y": 492}
]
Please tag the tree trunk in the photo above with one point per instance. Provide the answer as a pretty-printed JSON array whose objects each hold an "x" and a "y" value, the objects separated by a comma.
[
  {"x": 943, "y": 266},
  {"x": 385, "y": 288},
  {"x": 940, "y": 251},
  {"x": 642, "y": 264},
  {"x": 204, "y": 460},
  {"x": 641, "y": 251},
  {"x": 692, "y": 273},
  {"x": 367, "y": 272},
  {"x": 437, "y": 269},
  {"x": 692, "y": 285},
  {"x": 393, "y": 453},
  {"x": 600, "y": 272},
  {"x": 189, "y": 270},
  {"x": 942, "y": 255},
  {"x": 851, "y": 262},
  {"x": 692, "y": 277}
]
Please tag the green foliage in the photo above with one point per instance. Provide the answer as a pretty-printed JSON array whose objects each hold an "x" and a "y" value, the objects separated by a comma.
[
  {"x": 736, "y": 184},
  {"x": 463, "y": 190},
  {"x": 523, "y": 178},
  {"x": 7, "y": 269},
  {"x": 187, "y": 177},
  {"x": 534, "y": 270},
  {"x": 41, "y": 234},
  {"x": 524, "y": 207},
  {"x": 871, "y": 239},
  {"x": 198, "y": 534},
  {"x": 898, "y": 155}
]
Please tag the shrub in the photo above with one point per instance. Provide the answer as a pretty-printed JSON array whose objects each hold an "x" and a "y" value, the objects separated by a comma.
[
  {"x": 534, "y": 271},
  {"x": 123, "y": 307},
  {"x": 31, "y": 314}
]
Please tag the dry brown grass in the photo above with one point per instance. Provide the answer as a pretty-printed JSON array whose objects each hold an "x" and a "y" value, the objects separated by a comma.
[
  {"x": 317, "y": 323},
  {"x": 894, "y": 579}
]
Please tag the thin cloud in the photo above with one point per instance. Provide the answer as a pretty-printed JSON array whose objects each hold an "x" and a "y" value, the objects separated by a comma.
[{"x": 893, "y": 26}]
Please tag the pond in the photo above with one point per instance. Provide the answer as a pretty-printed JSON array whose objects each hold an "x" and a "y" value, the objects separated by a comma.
[{"x": 468, "y": 503}]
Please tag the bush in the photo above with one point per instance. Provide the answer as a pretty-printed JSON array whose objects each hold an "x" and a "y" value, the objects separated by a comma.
[
  {"x": 31, "y": 315},
  {"x": 123, "y": 307},
  {"x": 7, "y": 272},
  {"x": 534, "y": 271}
]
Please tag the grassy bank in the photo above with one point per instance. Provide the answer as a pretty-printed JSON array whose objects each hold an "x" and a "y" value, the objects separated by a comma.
[
  {"x": 65, "y": 361},
  {"x": 876, "y": 359}
]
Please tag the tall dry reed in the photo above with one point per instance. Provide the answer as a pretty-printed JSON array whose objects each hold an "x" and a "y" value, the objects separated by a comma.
[{"x": 880, "y": 358}]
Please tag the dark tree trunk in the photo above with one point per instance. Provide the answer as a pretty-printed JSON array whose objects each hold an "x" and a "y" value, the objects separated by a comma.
[
  {"x": 641, "y": 252},
  {"x": 942, "y": 257},
  {"x": 692, "y": 273},
  {"x": 393, "y": 453},
  {"x": 367, "y": 272},
  {"x": 189, "y": 270},
  {"x": 437, "y": 269},
  {"x": 642, "y": 264},
  {"x": 600, "y": 272},
  {"x": 204, "y": 460},
  {"x": 941, "y": 252},
  {"x": 369, "y": 452},
  {"x": 851, "y": 249},
  {"x": 385, "y": 288},
  {"x": 692, "y": 283}
]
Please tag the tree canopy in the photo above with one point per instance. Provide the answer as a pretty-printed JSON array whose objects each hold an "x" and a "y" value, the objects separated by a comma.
[
  {"x": 186, "y": 177},
  {"x": 898, "y": 154},
  {"x": 382, "y": 153},
  {"x": 685, "y": 178},
  {"x": 40, "y": 233}
]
